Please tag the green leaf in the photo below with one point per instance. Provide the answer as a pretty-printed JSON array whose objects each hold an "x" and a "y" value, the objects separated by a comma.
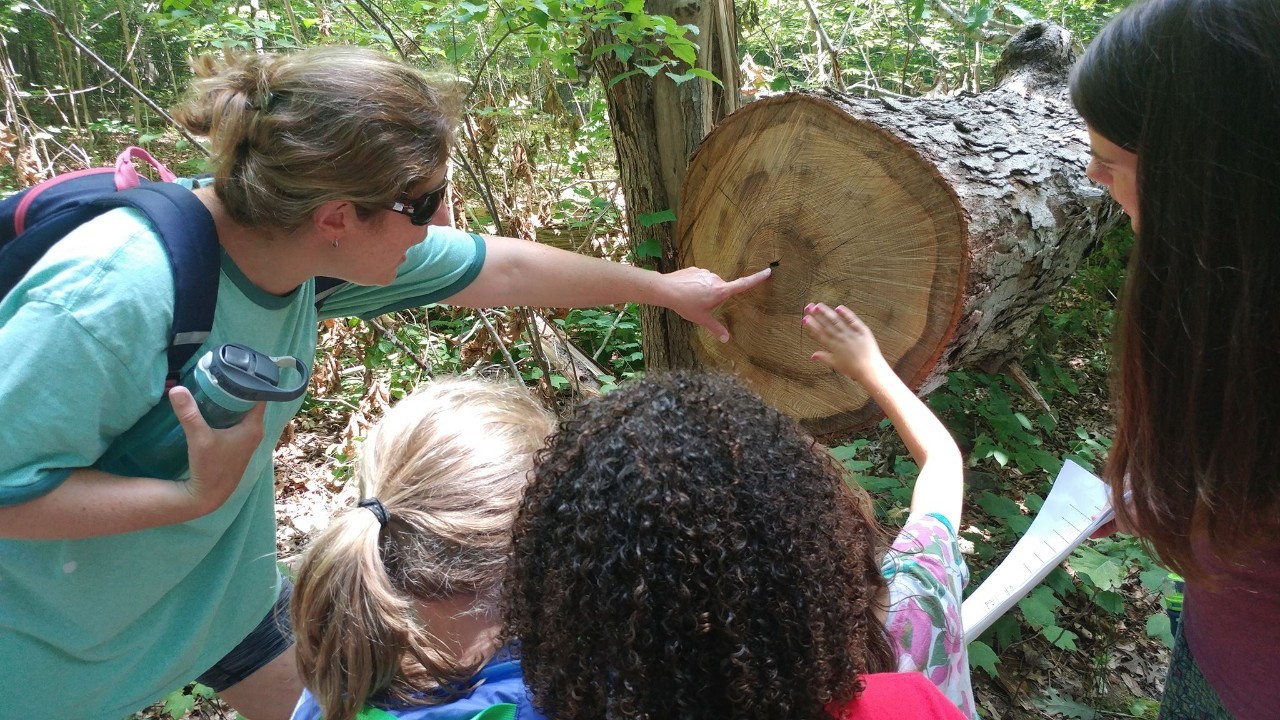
[
  {"x": 1039, "y": 608},
  {"x": 1019, "y": 524},
  {"x": 1061, "y": 582},
  {"x": 1144, "y": 707},
  {"x": 706, "y": 75},
  {"x": 621, "y": 51},
  {"x": 651, "y": 219},
  {"x": 982, "y": 656},
  {"x": 844, "y": 452},
  {"x": 178, "y": 703},
  {"x": 648, "y": 249},
  {"x": 997, "y": 506},
  {"x": 874, "y": 485},
  {"x": 1154, "y": 578},
  {"x": 623, "y": 76},
  {"x": 978, "y": 16},
  {"x": 651, "y": 70},
  {"x": 1158, "y": 627},
  {"x": 1006, "y": 630},
  {"x": 1033, "y": 502},
  {"x": 1060, "y": 637},
  {"x": 684, "y": 51},
  {"x": 1020, "y": 12},
  {"x": 1104, "y": 571},
  {"x": 1112, "y": 602}
]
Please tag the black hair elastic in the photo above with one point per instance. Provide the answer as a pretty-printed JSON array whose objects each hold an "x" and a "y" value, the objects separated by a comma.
[{"x": 377, "y": 508}]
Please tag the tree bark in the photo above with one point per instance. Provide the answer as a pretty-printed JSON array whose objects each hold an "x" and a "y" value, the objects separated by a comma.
[
  {"x": 656, "y": 126},
  {"x": 945, "y": 223}
]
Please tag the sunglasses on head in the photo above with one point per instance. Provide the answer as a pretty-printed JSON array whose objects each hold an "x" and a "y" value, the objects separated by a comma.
[{"x": 421, "y": 210}]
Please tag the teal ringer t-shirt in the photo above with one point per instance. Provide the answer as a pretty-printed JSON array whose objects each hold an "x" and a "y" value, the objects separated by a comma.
[{"x": 101, "y": 627}]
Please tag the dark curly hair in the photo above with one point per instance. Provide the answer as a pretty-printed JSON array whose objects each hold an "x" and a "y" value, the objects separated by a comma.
[{"x": 686, "y": 551}]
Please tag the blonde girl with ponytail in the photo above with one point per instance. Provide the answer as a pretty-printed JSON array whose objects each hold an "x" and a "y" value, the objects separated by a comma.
[{"x": 395, "y": 604}]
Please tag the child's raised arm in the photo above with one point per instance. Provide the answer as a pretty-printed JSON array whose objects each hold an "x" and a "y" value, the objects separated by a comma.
[{"x": 850, "y": 349}]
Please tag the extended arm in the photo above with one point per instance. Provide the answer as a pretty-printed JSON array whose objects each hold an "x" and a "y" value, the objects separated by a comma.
[
  {"x": 518, "y": 272},
  {"x": 851, "y": 350}
]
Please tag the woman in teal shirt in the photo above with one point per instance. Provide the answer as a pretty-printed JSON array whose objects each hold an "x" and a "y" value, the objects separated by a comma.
[{"x": 328, "y": 162}]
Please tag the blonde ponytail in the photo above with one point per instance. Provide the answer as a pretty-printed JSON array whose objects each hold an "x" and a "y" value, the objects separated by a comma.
[{"x": 449, "y": 463}]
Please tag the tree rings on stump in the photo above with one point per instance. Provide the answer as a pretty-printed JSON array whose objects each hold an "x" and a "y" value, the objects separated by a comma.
[{"x": 851, "y": 215}]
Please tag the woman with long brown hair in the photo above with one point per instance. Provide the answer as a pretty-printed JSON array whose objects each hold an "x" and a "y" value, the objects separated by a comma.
[{"x": 1182, "y": 101}]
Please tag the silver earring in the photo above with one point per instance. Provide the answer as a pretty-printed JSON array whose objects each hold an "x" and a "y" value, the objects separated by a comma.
[{"x": 335, "y": 243}]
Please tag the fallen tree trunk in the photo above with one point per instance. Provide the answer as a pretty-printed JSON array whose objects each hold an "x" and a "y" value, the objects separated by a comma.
[{"x": 945, "y": 223}]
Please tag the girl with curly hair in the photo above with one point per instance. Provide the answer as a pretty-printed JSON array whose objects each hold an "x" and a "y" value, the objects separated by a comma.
[
  {"x": 686, "y": 551},
  {"x": 1180, "y": 99},
  {"x": 395, "y": 604}
]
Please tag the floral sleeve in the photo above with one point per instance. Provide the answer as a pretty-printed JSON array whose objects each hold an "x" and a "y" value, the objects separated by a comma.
[{"x": 926, "y": 576}]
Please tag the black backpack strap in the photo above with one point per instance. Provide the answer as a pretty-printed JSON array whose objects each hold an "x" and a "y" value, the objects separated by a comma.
[{"x": 190, "y": 240}]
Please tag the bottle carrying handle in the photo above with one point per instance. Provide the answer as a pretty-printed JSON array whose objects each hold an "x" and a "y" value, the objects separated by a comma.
[
  {"x": 288, "y": 393},
  {"x": 250, "y": 375}
]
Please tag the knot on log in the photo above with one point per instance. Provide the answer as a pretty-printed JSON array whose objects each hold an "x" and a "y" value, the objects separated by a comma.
[{"x": 1040, "y": 55}]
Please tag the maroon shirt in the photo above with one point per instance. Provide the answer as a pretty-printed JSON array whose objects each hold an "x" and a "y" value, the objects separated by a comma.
[{"x": 1233, "y": 630}]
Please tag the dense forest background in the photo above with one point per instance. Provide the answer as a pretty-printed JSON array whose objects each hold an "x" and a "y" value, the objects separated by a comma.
[{"x": 83, "y": 78}]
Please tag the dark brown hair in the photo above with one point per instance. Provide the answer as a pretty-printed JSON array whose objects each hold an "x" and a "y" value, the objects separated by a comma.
[
  {"x": 1192, "y": 87},
  {"x": 686, "y": 551}
]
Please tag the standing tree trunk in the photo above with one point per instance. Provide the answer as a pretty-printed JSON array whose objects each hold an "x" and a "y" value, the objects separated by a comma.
[
  {"x": 945, "y": 223},
  {"x": 656, "y": 126},
  {"x": 126, "y": 60}
]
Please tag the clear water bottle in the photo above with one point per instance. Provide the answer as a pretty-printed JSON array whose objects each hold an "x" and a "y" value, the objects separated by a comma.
[{"x": 226, "y": 383}]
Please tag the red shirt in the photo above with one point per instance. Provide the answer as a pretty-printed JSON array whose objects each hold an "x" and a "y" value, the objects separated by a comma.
[
  {"x": 1233, "y": 630},
  {"x": 898, "y": 696}
]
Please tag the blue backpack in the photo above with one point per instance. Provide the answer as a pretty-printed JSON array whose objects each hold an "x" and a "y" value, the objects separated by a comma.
[{"x": 33, "y": 220}]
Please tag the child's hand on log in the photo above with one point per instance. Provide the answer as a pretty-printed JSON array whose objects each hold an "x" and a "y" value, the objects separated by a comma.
[{"x": 849, "y": 347}]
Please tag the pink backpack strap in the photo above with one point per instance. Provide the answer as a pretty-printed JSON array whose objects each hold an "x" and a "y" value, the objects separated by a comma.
[{"x": 127, "y": 174}]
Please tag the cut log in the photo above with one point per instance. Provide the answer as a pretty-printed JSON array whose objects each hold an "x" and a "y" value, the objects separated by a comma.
[{"x": 945, "y": 223}]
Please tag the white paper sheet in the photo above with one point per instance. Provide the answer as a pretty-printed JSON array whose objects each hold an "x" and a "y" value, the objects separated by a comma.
[{"x": 1078, "y": 504}]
